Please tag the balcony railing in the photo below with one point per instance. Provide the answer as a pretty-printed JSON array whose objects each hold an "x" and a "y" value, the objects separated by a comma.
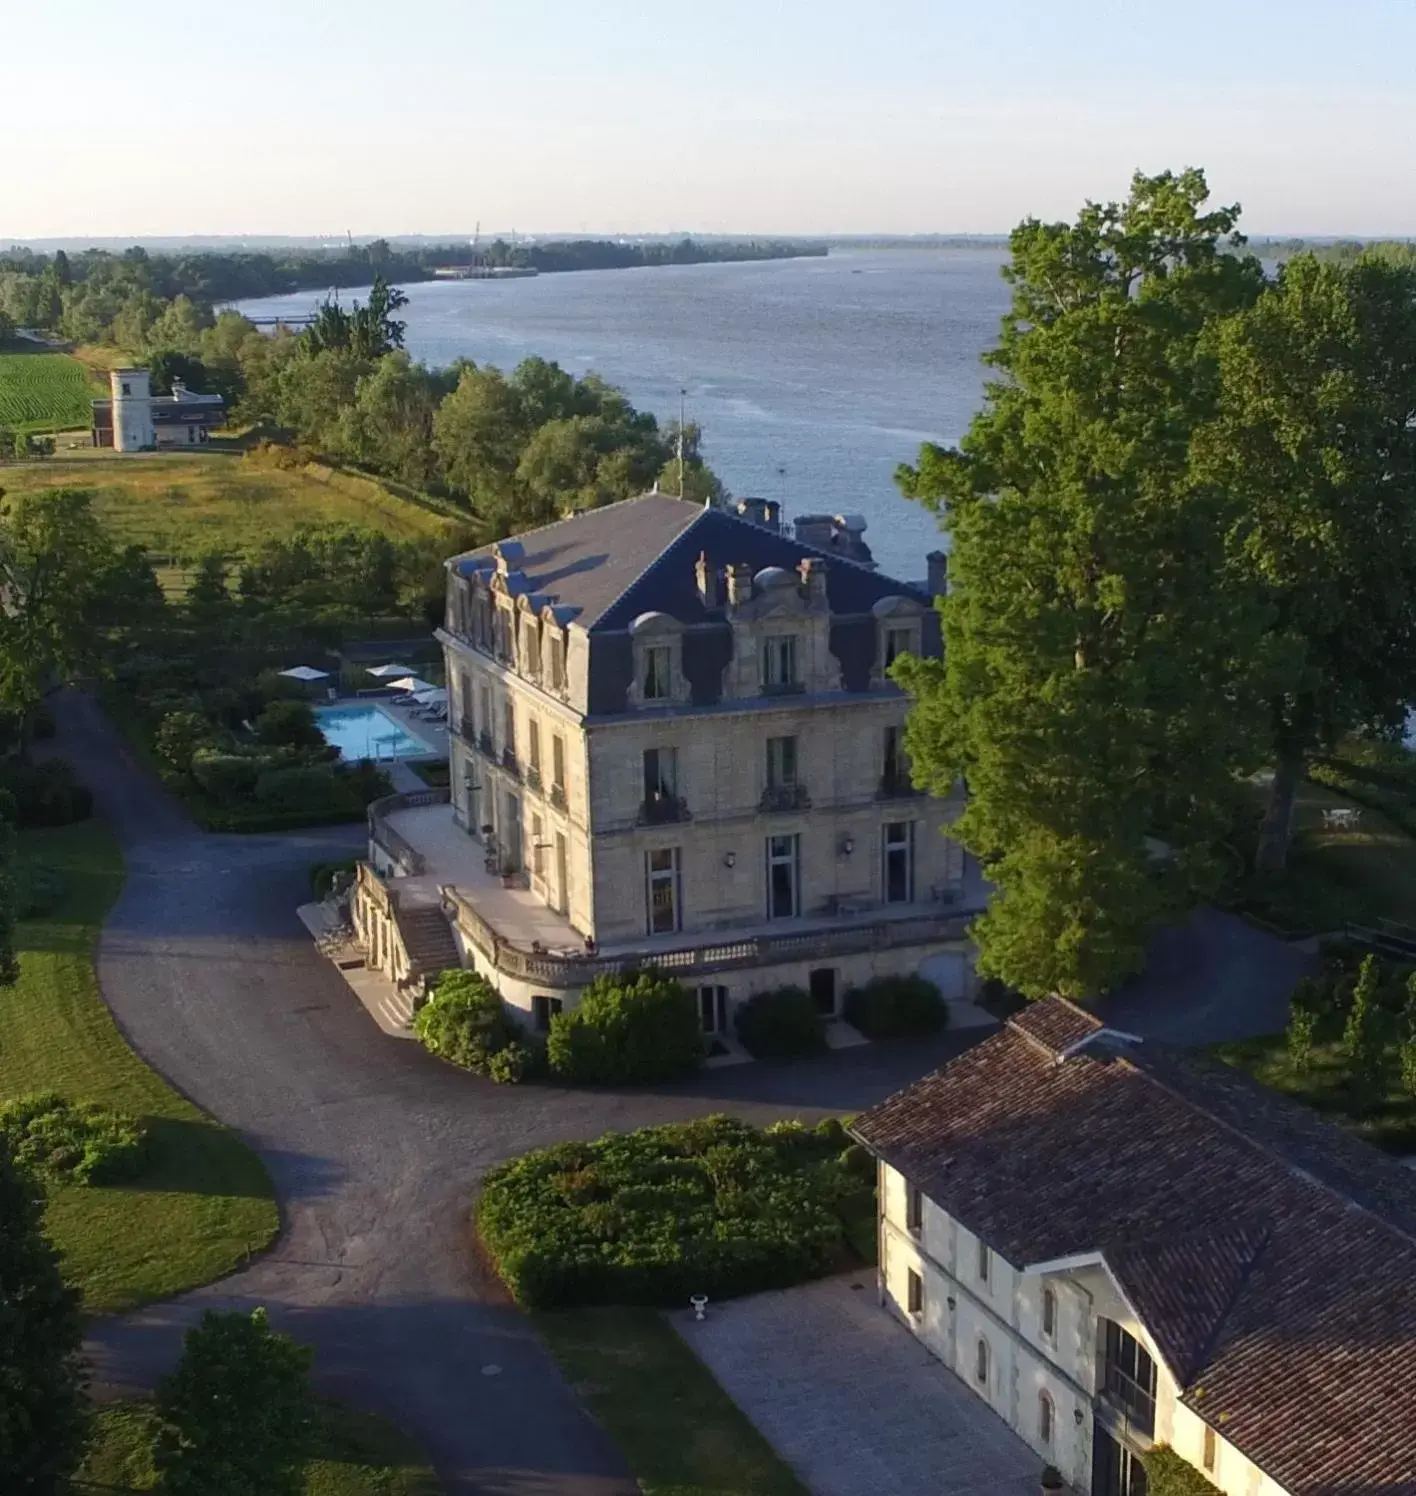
[
  {"x": 467, "y": 729},
  {"x": 783, "y": 687},
  {"x": 484, "y": 745},
  {"x": 410, "y": 860},
  {"x": 558, "y": 796},
  {"x": 555, "y": 970},
  {"x": 533, "y": 776},
  {"x": 777, "y": 798},
  {"x": 663, "y": 810},
  {"x": 1133, "y": 1402},
  {"x": 895, "y": 785},
  {"x": 508, "y": 760}
]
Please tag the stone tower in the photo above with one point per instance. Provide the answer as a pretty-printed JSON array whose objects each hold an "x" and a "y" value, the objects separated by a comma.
[{"x": 132, "y": 410}]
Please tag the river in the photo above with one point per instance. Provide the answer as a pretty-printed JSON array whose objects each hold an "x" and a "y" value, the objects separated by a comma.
[{"x": 812, "y": 379}]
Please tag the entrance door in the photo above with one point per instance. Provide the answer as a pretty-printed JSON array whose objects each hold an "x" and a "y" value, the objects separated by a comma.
[
  {"x": 713, "y": 1009},
  {"x": 1116, "y": 1471},
  {"x": 821, "y": 983},
  {"x": 511, "y": 834},
  {"x": 562, "y": 876}
]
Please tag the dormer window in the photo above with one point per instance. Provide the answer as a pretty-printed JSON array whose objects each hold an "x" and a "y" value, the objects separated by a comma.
[
  {"x": 531, "y": 652},
  {"x": 899, "y": 640},
  {"x": 555, "y": 662},
  {"x": 658, "y": 667},
  {"x": 779, "y": 664}
]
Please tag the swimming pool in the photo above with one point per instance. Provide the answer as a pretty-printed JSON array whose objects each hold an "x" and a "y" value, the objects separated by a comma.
[{"x": 367, "y": 731}]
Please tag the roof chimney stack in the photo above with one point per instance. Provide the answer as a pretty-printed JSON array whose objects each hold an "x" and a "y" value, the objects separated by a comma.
[
  {"x": 739, "y": 583},
  {"x": 707, "y": 575},
  {"x": 938, "y": 564}
]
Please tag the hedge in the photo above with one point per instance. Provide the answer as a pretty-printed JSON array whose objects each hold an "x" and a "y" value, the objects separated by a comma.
[
  {"x": 778, "y": 1024},
  {"x": 72, "y": 1140},
  {"x": 636, "y": 1028},
  {"x": 46, "y": 794},
  {"x": 1168, "y": 1475},
  {"x": 652, "y": 1217},
  {"x": 896, "y": 1007},
  {"x": 464, "y": 1022}
]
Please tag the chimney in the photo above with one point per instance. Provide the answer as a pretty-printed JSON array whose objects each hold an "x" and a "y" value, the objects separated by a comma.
[
  {"x": 739, "y": 583},
  {"x": 707, "y": 575},
  {"x": 763, "y": 512},
  {"x": 938, "y": 564},
  {"x": 812, "y": 570}
]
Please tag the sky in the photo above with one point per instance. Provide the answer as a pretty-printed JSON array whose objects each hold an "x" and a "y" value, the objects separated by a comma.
[{"x": 766, "y": 116}]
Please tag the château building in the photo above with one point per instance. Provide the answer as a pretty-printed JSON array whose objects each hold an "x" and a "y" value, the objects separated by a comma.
[{"x": 675, "y": 740}]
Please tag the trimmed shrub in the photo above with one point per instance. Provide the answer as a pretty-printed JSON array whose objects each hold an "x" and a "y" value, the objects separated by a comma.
[
  {"x": 710, "y": 1206},
  {"x": 465, "y": 1023},
  {"x": 46, "y": 794},
  {"x": 896, "y": 1008},
  {"x": 632, "y": 1029},
  {"x": 324, "y": 874},
  {"x": 1169, "y": 1475},
  {"x": 289, "y": 724},
  {"x": 78, "y": 1141},
  {"x": 228, "y": 777},
  {"x": 178, "y": 737},
  {"x": 778, "y": 1024},
  {"x": 312, "y": 788}
]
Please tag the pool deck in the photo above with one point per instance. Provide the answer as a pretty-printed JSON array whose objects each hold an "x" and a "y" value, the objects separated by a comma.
[{"x": 433, "y": 735}]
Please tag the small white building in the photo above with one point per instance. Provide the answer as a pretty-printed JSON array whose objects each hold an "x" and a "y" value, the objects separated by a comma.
[
  {"x": 1119, "y": 1246},
  {"x": 133, "y": 419}
]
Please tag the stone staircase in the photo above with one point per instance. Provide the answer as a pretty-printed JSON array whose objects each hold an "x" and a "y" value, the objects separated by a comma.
[{"x": 427, "y": 937}]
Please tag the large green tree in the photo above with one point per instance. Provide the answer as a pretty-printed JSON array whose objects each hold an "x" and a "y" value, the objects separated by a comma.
[
  {"x": 1315, "y": 437},
  {"x": 238, "y": 1411},
  {"x": 43, "y": 1409},
  {"x": 1096, "y": 683}
]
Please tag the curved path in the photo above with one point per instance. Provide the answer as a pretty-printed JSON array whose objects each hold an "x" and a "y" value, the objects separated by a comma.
[{"x": 376, "y": 1149}]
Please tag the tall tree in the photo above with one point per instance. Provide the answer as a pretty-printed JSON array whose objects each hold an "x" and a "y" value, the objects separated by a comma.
[
  {"x": 238, "y": 1411},
  {"x": 1095, "y": 684},
  {"x": 43, "y": 1409},
  {"x": 1315, "y": 436},
  {"x": 53, "y": 559}
]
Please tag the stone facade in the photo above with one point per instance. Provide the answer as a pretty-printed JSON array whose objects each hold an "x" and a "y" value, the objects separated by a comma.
[{"x": 719, "y": 757}]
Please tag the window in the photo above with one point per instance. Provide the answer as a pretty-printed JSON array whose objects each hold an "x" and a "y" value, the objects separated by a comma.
[
  {"x": 895, "y": 766},
  {"x": 500, "y": 647},
  {"x": 914, "y": 1292},
  {"x": 538, "y": 847},
  {"x": 1046, "y": 1418},
  {"x": 558, "y": 764},
  {"x": 556, "y": 668},
  {"x": 531, "y": 652},
  {"x": 508, "y": 728},
  {"x": 898, "y": 641},
  {"x": 783, "y": 876},
  {"x": 713, "y": 1009},
  {"x": 1210, "y": 1450},
  {"x": 533, "y": 743},
  {"x": 985, "y": 1262},
  {"x": 1049, "y": 1314},
  {"x": 1128, "y": 1377},
  {"x": 779, "y": 662},
  {"x": 897, "y": 854},
  {"x": 464, "y": 698},
  {"x": 543, "y": 1009},
  {"x": 981, "y": 1359},
  {"x": 657, "y": 662},
  {"x": 662, "y": 890},
  {"x": 914, "y": 1209},
  {"x": 481, "y": 622},
  {"x": 781, "y": 763},
  {"x": 485, "y": 717},
  {"x": 660, "y": 774}
]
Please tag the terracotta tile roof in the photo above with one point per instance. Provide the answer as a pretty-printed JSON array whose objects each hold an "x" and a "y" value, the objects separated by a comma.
[{"x": 1272, "y": 1257}]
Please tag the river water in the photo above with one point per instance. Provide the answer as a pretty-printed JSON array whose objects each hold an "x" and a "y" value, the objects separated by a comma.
[{"x": 812, "y": 379}]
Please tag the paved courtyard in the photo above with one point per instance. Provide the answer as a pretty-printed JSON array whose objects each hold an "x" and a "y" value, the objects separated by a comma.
[{"x": 852, "y": 1400}]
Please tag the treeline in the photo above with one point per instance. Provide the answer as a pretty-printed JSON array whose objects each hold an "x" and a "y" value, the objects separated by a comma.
[
  {"x": 605, "y": 254},
  {"x": 1340, "y": 251},
  {"x": 98, "y": 296}
]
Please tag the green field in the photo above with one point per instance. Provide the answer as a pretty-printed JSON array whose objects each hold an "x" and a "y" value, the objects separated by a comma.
[
  {"x": 44, "y": 392},
  {"x": 184, "y": 505},
  {"x": 355, "y": 1455},
  {"x": 204, "y": 1202}
]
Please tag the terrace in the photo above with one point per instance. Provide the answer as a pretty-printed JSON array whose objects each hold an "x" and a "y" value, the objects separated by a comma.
[{"x": 440, "y": 864}]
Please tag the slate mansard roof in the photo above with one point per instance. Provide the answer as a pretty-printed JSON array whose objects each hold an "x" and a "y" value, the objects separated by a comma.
[
  {"x": 1271, "y": 1256},
  {"x": 638, "y": 556}
]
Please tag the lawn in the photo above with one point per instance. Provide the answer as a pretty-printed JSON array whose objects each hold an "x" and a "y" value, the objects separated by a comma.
[
  {"x": 44, "y": 391},
  {"x": 356, "y": 1454},
  {"x": 1390, "y": 1123},
  {"x": 203, "y": 1203},
  {"x": 184, "y": 505},
  {"x": 679, "y": 1432},
  {"x": 1337, "y": 876}
]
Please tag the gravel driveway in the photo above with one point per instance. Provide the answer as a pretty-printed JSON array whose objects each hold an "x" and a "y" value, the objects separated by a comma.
[{"x": 376, "y": 1149}]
